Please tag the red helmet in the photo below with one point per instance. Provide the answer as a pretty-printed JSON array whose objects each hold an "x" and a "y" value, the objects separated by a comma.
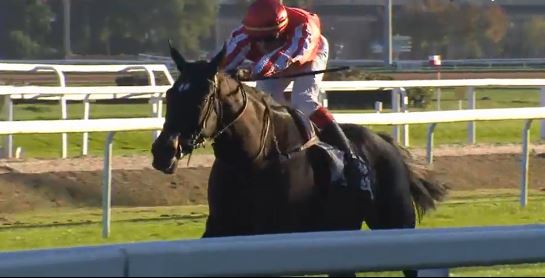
[{"x": 265, "y": 19}]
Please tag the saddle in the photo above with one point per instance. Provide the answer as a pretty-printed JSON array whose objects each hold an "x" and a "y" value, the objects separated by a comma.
[{"x": 335, "y": 156}]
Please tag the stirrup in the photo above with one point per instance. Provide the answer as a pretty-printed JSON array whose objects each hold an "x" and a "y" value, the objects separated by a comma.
[{"x": 356, "y": 163}]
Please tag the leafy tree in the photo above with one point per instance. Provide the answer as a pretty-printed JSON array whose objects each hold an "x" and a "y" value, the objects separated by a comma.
[
  {"x": 129, "y": 26},
  {"x": 497, "y": 24},
  {"x": 456, "y": 30},
  {"x": 27, "y": 25},
  {"x": 533, "y": 37}
]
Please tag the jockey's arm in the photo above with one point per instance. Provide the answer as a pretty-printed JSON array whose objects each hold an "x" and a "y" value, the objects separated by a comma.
[
  {"x": 238, "y": 47},
  {"x": 298, "y": 49}
]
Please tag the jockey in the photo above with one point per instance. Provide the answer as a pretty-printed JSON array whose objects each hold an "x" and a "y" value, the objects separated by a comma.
[{"x": 281, "y": 41}]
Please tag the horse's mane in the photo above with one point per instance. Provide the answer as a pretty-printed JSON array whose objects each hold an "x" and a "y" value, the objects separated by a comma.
[{"x": 258, "y": 95}]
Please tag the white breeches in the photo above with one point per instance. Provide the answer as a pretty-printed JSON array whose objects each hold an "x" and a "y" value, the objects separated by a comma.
[{"x": 306, "y": 89}]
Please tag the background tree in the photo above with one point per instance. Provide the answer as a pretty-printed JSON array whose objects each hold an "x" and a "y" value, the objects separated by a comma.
[
  {"x": 533, "y": 37},
  {"x": 128, "y": 26},
  {"x": 27, "y": 25},
  {"x": 455, "y": 30}
]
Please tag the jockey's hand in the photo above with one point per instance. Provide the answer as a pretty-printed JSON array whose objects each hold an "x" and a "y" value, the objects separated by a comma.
[{"x": 243, "y": 74}]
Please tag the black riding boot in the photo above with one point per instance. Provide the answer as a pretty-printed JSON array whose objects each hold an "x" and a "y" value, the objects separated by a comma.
[{"x": 356, "y": 170}]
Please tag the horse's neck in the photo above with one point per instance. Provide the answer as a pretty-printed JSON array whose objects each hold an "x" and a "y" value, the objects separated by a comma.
[
  {"x": 241, "y": 142},
  {"x": 245, "y": 139}
]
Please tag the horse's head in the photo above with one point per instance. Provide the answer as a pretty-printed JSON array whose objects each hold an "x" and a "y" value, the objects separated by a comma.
[{"x": 190, "y": 110}]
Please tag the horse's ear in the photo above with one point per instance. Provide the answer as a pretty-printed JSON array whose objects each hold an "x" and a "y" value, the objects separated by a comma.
[
  {"x": 176, "y": 56},
  {"x": 218, "y": 59}
]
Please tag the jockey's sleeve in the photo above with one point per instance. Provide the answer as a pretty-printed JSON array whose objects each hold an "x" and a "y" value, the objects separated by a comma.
[
  {"x": 300, "y": 48},
  {"x": 238, "y": 47}
]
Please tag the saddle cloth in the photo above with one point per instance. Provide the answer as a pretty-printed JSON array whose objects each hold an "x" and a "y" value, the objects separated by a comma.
[{"x": 304, "y": 124}]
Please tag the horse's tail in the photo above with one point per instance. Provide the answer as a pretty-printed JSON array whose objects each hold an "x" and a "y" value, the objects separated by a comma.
[{"x": 425, "y": 189}]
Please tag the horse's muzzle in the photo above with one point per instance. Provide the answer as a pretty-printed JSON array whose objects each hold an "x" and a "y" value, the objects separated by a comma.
[
  {"x": 166, "y": 152},
  {"x": 170, "y": 169}
]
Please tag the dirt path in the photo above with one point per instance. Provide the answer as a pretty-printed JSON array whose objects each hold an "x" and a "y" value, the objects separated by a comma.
[
  {"x": 37, "y": 184},
  {"x": 35, "y": 166}
]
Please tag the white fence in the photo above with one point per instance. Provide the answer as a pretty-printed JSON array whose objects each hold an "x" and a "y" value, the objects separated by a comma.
[
  {"x": 84, "y": 94},
  {"x": 446, "y": 64},
  {"x": 406, "y": 64},
  {"x": 289, "y": 254},
  {"x": 61, "y": 69},
  {"x": 156, "y": 93}
]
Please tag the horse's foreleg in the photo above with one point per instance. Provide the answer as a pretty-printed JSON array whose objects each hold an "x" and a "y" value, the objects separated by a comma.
[
  {"x": 223, "y": 202},
  {"x": 345, "y": 211},
  {"x": 213, "y": 228}
]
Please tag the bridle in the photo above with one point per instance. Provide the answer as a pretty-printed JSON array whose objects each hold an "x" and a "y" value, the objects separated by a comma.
[{"x": 213, "y": 104}]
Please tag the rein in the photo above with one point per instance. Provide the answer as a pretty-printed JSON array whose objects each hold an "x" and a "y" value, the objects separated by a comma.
[
  {"x": 219, "y": 107},
  {"x": 287, "y": 155},
  {"x": 213, "y": 104},
  {"x": 302, "y": 74}
]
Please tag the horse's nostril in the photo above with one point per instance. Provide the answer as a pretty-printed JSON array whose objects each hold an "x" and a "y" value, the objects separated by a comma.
[{"x": 166, "y": 166}]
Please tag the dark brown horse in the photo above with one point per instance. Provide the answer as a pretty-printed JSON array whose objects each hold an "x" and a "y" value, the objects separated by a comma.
[{"x": 268, "y": 177}]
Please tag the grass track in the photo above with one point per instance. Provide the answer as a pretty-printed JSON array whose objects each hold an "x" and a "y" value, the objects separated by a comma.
[{"x": 77, "y": 227}]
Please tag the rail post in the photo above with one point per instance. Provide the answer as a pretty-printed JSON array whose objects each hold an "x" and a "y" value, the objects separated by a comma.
[
  {"x": 471, "y": 126},
  {"x": 525, "y": 163},
  {"x": 107, "y": 185}
]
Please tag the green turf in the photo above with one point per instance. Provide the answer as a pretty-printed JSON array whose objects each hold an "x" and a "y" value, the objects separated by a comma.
[
  {"x": 62, "y": 228},
  {"x": 78, "y": 227}
]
